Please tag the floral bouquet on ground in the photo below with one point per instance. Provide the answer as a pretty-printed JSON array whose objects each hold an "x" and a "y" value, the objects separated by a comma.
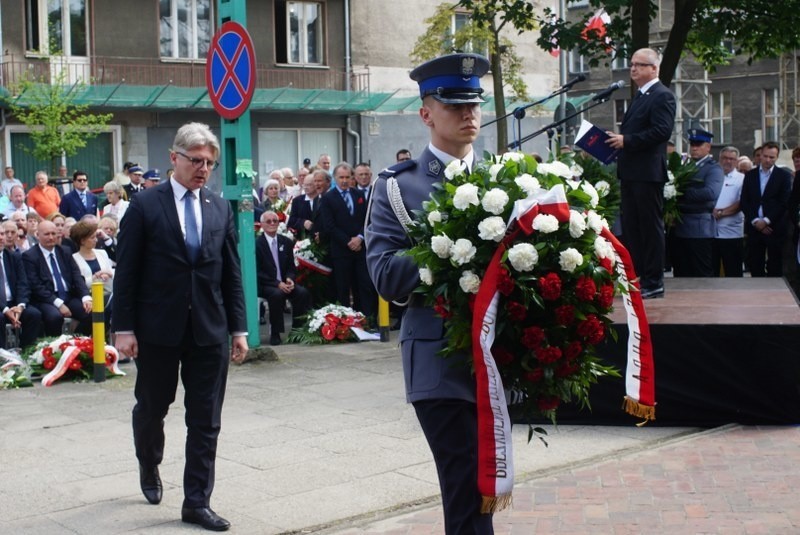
[
  {"x": 331, "y": 323},
  {"x": 14, "y": 373},
  {"x": 312, "y": 273},
  {"x": 680, "y": 170},
  {"x": 68, "y": 357}
]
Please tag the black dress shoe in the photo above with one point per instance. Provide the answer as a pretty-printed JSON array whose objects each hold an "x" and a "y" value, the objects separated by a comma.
[
  {"x": 653, "y": 293},
  {"x": 151, "y": 484},
  {"x": 274, "y": 340},
  {"x": 205, "y": 517}
]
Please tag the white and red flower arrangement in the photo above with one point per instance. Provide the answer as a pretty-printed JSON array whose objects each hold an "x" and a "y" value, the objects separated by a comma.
[
  {"x": 331, "y": 323},
  {"x": 68, "y": 357}
]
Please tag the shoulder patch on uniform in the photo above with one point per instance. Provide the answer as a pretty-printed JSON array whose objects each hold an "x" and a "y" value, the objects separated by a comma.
[{"x": 398, "y": 168}]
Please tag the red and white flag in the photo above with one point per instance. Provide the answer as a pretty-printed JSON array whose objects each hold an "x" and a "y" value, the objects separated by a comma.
[{"x": 596, "y": 27}]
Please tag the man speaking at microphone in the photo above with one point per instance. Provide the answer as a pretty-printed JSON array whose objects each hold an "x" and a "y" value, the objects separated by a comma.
[{"x": 642, "y": 170}]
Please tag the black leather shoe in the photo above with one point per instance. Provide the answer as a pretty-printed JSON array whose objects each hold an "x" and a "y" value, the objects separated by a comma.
[
  {"x": 151, "y": 484},
  {"x": 653, "y": 293},
  {"x": 274, "y": 340},
  {"x": 205, "y": 517}
]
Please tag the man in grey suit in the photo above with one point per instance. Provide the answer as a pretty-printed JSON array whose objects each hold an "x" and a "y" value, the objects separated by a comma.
[
  {"x": 642, "y": 170},
  {"x": 442, "y": 392},
  {"x": 694, "y": 233},
  {"x": 181, "y": 320}
]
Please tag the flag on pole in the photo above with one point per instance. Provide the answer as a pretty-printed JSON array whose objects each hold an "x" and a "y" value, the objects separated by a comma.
[{"x": 596, "y": 27}]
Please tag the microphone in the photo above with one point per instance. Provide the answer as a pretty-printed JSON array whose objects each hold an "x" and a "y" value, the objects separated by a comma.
[
  {"x": 577, "y": 79},
  {"x": 605, "y": 93}
]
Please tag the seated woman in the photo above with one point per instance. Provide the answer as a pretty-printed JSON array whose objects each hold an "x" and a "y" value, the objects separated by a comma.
[{"x": 93, "y": 263}]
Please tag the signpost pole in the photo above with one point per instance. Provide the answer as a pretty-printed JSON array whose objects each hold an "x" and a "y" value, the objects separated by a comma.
[{"x": 236, "y": 159}]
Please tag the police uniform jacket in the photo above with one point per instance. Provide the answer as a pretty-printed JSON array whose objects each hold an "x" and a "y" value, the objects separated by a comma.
[
  {"x": 698, "y": 200},
  {"x": 427, "y": 374}
]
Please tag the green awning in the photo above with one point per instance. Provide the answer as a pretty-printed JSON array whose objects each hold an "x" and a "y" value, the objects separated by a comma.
[{"x": 400, "y": 104}]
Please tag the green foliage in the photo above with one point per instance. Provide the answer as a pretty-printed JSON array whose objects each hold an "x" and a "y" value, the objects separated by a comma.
[{"x": 58, "y": 125}]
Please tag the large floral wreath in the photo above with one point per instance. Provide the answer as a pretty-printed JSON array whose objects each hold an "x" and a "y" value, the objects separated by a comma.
[
  {"x": 331, "y": 323},
  {"x": 518, "y": 260},
  {"x": 68, "y": 357}
]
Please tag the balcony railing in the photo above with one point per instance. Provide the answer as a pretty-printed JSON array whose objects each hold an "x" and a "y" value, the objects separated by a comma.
[{"x": 154, "y": 72}]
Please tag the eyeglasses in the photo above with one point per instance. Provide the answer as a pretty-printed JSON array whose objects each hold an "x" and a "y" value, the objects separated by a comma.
[
  {"x": 641, "y": 65},
  {"x": 197, "y": 163},
  {"x": 271, "y": 221},
  {"x": 80, "y": 180}
]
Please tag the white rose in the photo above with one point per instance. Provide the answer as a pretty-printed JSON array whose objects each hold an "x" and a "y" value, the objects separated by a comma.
[
  {"x": 577, "y": 224},
  {"x": 555, "y": 168},
  {"x": 576, "y": 170},
  {"x": 545, "y": 223},
  {"x": 570, "y": 259},
  {"x": 492, "y": 229},
  {"x": 670, "y": 191},
  {"x": 594, "y": 196},
  {"x": 602, "y": 187},
  {"x": 523, "y": 256},
  {"x": 527, "y": 183},
  {"x": 465, "y": 195},
  {"x": 594, "y": 221},
  {"x": 670, "y": 176},
  {"x": 462, "y": 251},
  {"x": 434, "y": 217},
  {"x": 513, "y": 156},
  {"x": 604, "y": 249},
  {"x": 426, "y": 276},
  {"x": 494, "y": 201},
  {"x": 469, "y": 282},
  {"x": 441, "y": 246},
  {"x": 494, "y": 169},
  {"x": 454, "y": 169}
]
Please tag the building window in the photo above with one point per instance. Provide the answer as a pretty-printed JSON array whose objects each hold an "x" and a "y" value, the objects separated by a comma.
[
  {"x": 771, "y": 114},
  {"x": 186, "y": 28},
  {"x": 459, "y": 21},
  {"x": 279, "y": 148},
  {"x": 621, "y": 60},
  {"x": 299, "y": 32},
  {"x": 719, "y": 115},
  {"x": 620, "y": 107},
  {"x": 62, "y": 25},
  {"x": 577, "y": 63}
]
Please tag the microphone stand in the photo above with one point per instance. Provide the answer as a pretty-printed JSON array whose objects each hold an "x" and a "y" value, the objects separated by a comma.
[
  {"x": 555, "y": 124},
  {"x": 519, "y": 112}
]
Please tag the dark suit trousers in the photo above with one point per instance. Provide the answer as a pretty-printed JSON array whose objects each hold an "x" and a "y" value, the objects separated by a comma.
[
  {"x": 691, "y": 257},
  {"x": 765, "y": 250},
  {"x": 730, "y": 253},
  {"x": 54, "y": 321},
  {"x": 642, "y": 217},
  {"x": 31, "y": 320},
  {"x": 300, "y": 299},
  {"x": 203, "y": 372},
  {"x": 451, "y": 428},
  {"x": 350, "y": 273}
]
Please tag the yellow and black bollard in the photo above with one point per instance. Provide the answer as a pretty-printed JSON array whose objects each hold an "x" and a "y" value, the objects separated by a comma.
[
  {"x": 98, "y": 332},
  {"x": 383, "y": 319}
]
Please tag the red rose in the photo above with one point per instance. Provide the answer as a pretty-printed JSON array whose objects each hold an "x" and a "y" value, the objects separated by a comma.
[
  {"x": 502, "y": 356},
  {"x": 535, "y": 375},
  {"x": 328, "y": 331},
  {"x": 63, "y": 346},
  {"x": 592, "y": 329},
  {"x": 516, "y": 311},
  {"x": 441, "y": 307},
  {"x": 548, "y": 403},
  {"x": 75, "y": 364},
  {"x": 47, "y": 352},
  {"x": 532, "y": 337},
  {"x": 548, "y": 355},
  {"x": 573, "y": 350},
  {"x": 565, "y": 314},
  {"x": 605, "y": 263},
  {"x": 49, "y": 363},
  {"x": 606, "y": 297},
  {"x": 550, "y": 286},
  {"x": 505, "y": 284},
  {"x": 281, "y": 216},
  {"x": 565, "y": 369},
  {"x": 360, "y": 200},
  {"x": 585, "y": 288}
]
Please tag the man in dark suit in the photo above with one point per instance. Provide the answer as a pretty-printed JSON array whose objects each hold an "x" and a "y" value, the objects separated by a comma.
[
  {"x": 642, "y": 170},
  {"x": 305, "y": 209},
  {"x": 443, "y": 392},
  {"x": 57, "y": 287},
  {"x": 276, "y": 282},
  {"x": 182, "y": 318},
  {"x": 14, "y": 299},
  {"x": 765, "y": 198},
  {"x": 80, "y": 201},
  {"x": 343, "y": 213},
  {"x": 363, "y": 176}
]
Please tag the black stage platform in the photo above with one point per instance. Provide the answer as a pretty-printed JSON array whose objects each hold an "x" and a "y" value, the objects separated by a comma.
[{"x": 725, "y": 350}]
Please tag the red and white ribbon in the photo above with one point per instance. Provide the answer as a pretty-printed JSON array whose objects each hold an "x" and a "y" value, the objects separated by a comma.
[{"x": 71, "y": 353}]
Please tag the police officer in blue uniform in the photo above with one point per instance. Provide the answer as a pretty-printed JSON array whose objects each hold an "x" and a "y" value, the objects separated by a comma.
[
  {"x": 694, "y": 233},
  {"x": 441, "y": 391}
]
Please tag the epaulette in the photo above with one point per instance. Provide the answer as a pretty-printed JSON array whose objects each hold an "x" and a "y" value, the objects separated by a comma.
[{"x": 398, "y": 168}]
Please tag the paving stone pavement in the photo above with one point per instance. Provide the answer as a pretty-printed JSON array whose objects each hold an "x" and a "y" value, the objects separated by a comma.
[{"x": 321, "y": 441}]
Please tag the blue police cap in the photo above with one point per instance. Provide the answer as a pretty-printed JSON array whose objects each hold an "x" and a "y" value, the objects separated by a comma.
[
  {"x": 152, "y": 174},
  {"x": 135, "y": 169},
  {"x": 698, "y": 134},
  {"x": 452, "y": 79}
]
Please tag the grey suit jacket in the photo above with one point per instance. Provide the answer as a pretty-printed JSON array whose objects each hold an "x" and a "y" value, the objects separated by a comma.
[{"x": 427, "y": 375}]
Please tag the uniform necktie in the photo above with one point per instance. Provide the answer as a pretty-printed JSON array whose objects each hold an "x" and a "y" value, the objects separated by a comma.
[
  {"x": 189, "y": 219},
  {"x": 274, "y": 248},
  {"x": 348, "y": 201},
  {"x": 60, "y": 289}
]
